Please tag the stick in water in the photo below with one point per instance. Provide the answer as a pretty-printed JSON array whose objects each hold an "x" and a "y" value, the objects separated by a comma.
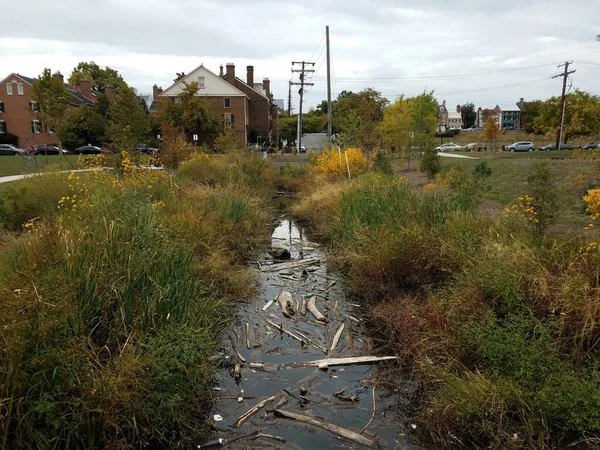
[
  {"x": 336, "y": 338},
  {"x": 253, "y": 411},
  {"x": 312, "y": 307},
  {"x": 372, "y": 414},
  {"x": 248, "y": 336}
]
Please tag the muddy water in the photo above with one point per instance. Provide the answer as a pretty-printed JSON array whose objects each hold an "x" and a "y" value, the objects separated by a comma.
[{"x": 278, "y": 352}]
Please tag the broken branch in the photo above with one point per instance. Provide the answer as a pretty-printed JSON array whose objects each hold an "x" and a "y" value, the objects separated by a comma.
[
  {"x": 253, "y": 411},
  {"x": 336, "y": 338},
  {"x": 372, "y": 414},
  {"x": 312, "y": 307}
]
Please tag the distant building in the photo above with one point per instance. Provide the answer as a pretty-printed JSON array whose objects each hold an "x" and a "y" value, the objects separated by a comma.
[
  {"x": 495, "y": 112},
  {"x": 443, "y": 116},
  {"x": 455, "y": 119},
  {"x": 510, "y": 117},
  {"x": 18, "y": 111}
]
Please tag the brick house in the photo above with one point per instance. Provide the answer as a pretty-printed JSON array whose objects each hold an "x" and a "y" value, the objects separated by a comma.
[
  {"x": 442, "y": 116},
  {"x": 225, "y": 101},
  {"x": 495, "y": 112},
  {"x": 244, "y": 105},
  {"x": 18, "y": 110},
  {"x": 263, "y": 110}
]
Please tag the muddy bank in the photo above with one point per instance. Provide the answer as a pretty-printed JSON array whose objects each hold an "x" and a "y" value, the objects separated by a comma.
[{"x": 260, "y": 361}]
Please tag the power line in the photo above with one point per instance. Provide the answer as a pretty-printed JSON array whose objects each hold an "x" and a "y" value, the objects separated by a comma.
[
  {"x": 318, "y": 47},
  {"x": 442, "y": 77}
]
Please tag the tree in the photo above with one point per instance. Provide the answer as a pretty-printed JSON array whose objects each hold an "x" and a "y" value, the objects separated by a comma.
[
  {"x": 396, "y": 127},
  {"x": 191, "y": 114},
  {"x": 469, "y": 115},
  {"x": 424, "y": 115},
  {"x": 175, "y": 149},
  {"x": 84, "y": 125},
  {"x": 288, "y": 128},
  {"x": 321, "y": 108},
  {"x": 53, "y": 101},
  {"x": 542, "y": 188},
  {"x": 490, "y": 130},
  {"x": 227, "y": 142},
  {"x": 531, "y": 111},
  {"x": 129, "y": 123},
  {"x": 582, "y": 116},
  {"x": 358, "y": 117},
  {"x": 99, "y": 78},
  {"x": 312, "y": 123}
]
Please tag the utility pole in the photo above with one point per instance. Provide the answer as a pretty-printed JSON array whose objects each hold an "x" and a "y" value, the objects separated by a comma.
[
  {"x": 290, "y": 99},
  {"x": 564, "y": 75},
  {"x": 329, "y": 119},
  {"x": 302, "y": 83}
]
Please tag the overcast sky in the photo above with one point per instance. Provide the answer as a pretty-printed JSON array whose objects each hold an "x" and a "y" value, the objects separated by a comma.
[{"x": 396, "y": 47}]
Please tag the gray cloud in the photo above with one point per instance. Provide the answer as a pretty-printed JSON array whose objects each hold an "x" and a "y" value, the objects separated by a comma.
[{"x": 149, "y": 40}]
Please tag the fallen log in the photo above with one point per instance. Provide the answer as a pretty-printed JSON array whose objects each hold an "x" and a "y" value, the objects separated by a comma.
[
  {"x": 253, "y": 411},
  {"x": 348, "y": 434},
  {"x": 336, "y": 338},
  {"x": 290, "y": 265},
  {"x": 286, "y": 302},
  {"x": 283, "y": 330},
  {"x": 345, "y": 361},
  {"x": 312, "y": 307}
]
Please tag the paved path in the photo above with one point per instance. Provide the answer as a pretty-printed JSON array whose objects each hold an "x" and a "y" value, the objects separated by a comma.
[
  {"x": 454, "y": 155},
  {"x": 10, "y": 178}
]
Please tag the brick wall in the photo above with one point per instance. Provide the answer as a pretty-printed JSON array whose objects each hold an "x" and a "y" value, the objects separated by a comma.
[
  {"x": 259, "y": 109},
  {"x": 18, "y": 116},
  {"x": 238, "y": 109}
]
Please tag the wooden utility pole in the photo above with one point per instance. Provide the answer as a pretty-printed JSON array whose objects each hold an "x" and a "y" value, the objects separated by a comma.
[
  {"x": 564, "y": 75},
  {"x": 290, "y": 99},
  {"x": 302, "y": 83},
  {"x": 329, "y": 119}
]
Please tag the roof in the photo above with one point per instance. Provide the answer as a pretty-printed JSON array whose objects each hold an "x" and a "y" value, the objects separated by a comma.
[
  {"x": 215, "y": 85},
  {"x": 260, "y": 91},
  {"x": 508, "y": 107},
  {"x": 78, "y": 97},
  {"x": 454, "y": 115}
]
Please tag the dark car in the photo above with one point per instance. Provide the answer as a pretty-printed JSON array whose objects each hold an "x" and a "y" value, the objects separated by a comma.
[
  {"x": 591, "y": 145},
  {"x": 89, "y": 150},
  {"x": 45, "y": 150},
  {"x": 143, "y": 148},
  {"x": 553, "y": 147},
  {"x": 8, "y": 149}
]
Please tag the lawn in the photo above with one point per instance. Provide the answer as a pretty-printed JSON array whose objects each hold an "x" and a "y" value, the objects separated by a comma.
[
  {"x": 509, "y": 177},
  {"x": 16, "y": 165}
]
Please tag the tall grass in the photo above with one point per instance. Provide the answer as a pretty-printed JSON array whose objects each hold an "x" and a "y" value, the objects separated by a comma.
[
  {"x": 112, "y": 304},
  {"x": 500, "y": 328}
]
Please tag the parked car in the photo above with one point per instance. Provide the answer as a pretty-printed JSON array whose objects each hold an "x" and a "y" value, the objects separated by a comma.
[
  {"x": 473, "y": 147},
  {"x": 476, "y": 129},
  {"x": 90, "y": 150},
  {"x": 302, "y": 149},
  {"x": 553, "y": 147},
  {"x": 448, "y": 147},
  {"x": 591, "y": 145},
  {"x": 8, "y": 149},
  {"x": 521, "y": 146},
  {"x": 509, "y": 127},
  {"x": 47, "y": 150},
  {"x": 143, "y": 148}
]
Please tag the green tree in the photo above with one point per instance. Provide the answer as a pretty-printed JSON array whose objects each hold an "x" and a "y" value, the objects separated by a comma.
[
  {"x": 227, "y": 142},
  {"x": 288, "y": 128},
  {"x": 582, "y": 116},
  {"x": 190, "y": 114},
  {"x": 312, "y": 123},
  {"x": 129, "y": 123},
  {"x": 84, "y": 125},
  {"x": 424, "y": 112},
  {"x": 469, "y": 115},
  {"x": 542, "y": 187},
  {"x": 358, "y": 117},
  {"x": 396, "y": 127},
  {"x": 531, "y": 111},
  {"x": 490, "y": 131},
  {"x": 53, "y": 101},
  {"x": 100, "y": 78},
  {"x": 321, "y": 108}
]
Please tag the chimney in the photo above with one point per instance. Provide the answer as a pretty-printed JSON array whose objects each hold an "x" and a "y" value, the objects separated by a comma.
[
  {"x": 85, "y": 88},
  {"x": 110, "y": 93},
  {"x": 230, "y": 77},
  {"x": 444, "y": 103},
  {"x": 155, "y": 91},
  {"x": 221, "y": 70},
  {"x": 267, "y": 87},
  {"x": 250, "y": 76},
  {"x": 521, "y": 100},
  {"x": 60, "y": 77},
  {"x": 458, "y": 109}
]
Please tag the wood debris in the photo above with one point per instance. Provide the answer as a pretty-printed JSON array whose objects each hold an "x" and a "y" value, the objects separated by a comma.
[
  {"x": 290, "y": 265},
  {"x": 268, "y": 305},
  {"x": 248, "y": 336},
  {"x": 284, "y": 331},
  {"x": 254, "y": 410},
  {"x": 348, "y": 434},
  {"x": 312, "y": 307},
  {"x": 286, "y": 302},
  {"x": 346, "y": 361},
  {"x": 336, "y": 338},
  {"x": 303, "y": 306}
]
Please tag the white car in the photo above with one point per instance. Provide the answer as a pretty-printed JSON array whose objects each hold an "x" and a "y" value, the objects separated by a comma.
[{"x": 449, "y": 147}]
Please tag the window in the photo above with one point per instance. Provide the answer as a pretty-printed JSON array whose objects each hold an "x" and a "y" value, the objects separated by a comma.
[
  {"x": 2, "y": 127},
  {"x": 51, "y": 130},
  {"x": 33, "y": 105},
  {"x": 36, "y": 127},
  {"x": 201, "y": 82},
  {"x": 20, "y": 88},
  {"x": 177, "y": 100},
  {"x": 229, "y": 119},
  {"x": 9, "y": 90},
  {"x": 227, "y": 103},
  {"x": 1, "y": 107}
]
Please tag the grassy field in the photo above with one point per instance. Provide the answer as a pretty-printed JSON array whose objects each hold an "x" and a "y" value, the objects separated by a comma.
[{"x": 16, "y": 165}]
